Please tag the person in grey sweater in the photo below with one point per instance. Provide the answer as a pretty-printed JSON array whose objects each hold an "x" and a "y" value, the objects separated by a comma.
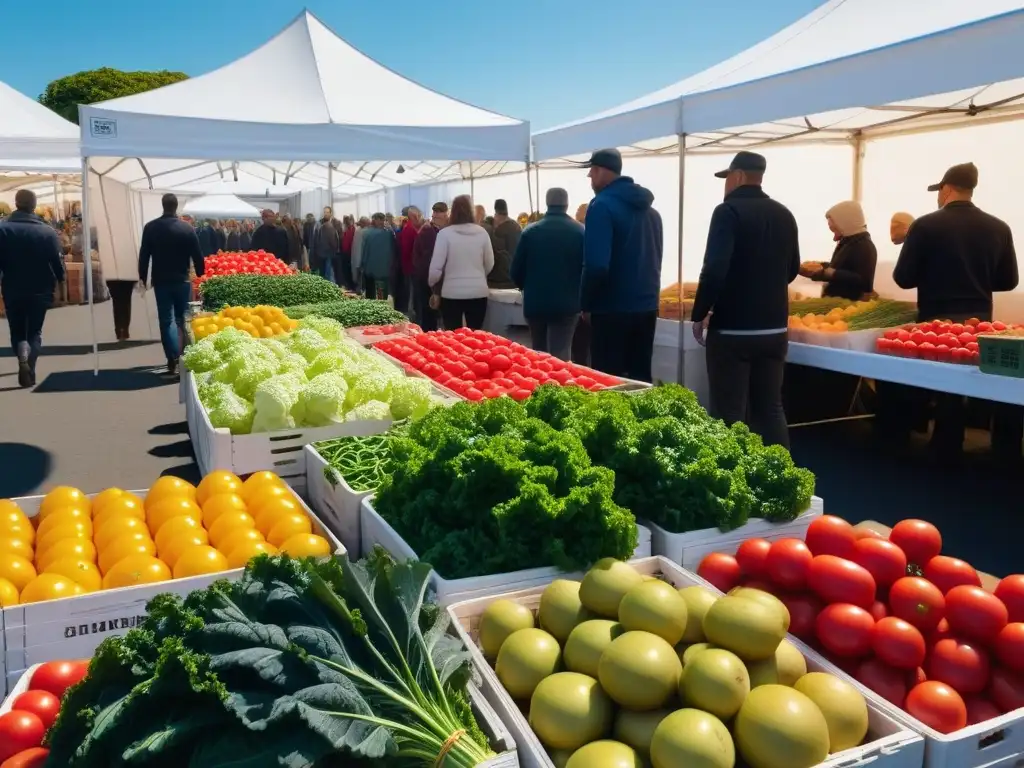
[
  {"x": 377, "y": 251},
  {"x": 326, "y": 244}
]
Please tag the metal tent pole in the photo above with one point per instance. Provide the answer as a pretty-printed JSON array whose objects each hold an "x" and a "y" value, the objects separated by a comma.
[
  {"x": 87, "y": 253},
  {"x": 679, "y": 254}
]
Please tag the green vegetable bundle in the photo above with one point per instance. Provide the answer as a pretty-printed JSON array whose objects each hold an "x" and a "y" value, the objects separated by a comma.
[
  {"x": 301, "y": 664},
  {"x": 351, "y": 313},
  {"x": 275, "y": 290},
  {"x": 887, "y": 314},
  {"x": 363, "y": 462},
  {"x": 817, "y": 306}
]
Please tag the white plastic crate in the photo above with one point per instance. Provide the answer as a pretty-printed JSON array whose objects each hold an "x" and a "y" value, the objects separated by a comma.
[
  {"x": 338, "y": 505},
  {"x": 687, "y": 549},
  {"x": 279, "y": 451},
  {"x": 892, "y": 744},
  {"x": 17, "y": 685},
  {"x": 375, "y": 530},
  {"x": 72, "y": 627}
]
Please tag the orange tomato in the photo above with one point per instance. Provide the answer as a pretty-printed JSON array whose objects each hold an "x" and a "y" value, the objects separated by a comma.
[
  {"x": 18, "y": 547},
  {"x": 273, "y": 510},
  {"x": 8, "y": 594},
  {"x": 217, "y": 482},
  {"x": 247, "y": 550},
  {"x": 49, "y": 586},
  {"x": 227, "y": 523},
  {"x": 63, "y": 517},
  {"x": 18, "y": 530},
  {"x": 75, "y": 530},
  {"x": 171, "y": 507},
  {"x": 215, "y": 506},
  {"x": 173, "y": 549},
  {"x": 123, "y": 546},
  {"x": 175, "y": 527},
  {"x": 169, "y": 486},
  {"x": 62, "y": 496},
  {"x": 11, "y": 513},
  {"x": 306, "y": 545},
  {"x": 237, "y": 537},
  {"x": 82, "y": 572},
  {"x": 257, "y": 481},
  {"x": 17, "y": 570},
  {"x": 81, "y": 549},
  {"x": 126, "y": 505},
  {"x": 135, "y": 570},
  {"x": 199, "y": 561},
  {"x": 286, "y": 527},
  {"x": 116, "y": 527}
]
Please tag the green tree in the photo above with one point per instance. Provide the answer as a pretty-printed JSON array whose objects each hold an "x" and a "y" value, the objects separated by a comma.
[{"x": 65, "y": 94}]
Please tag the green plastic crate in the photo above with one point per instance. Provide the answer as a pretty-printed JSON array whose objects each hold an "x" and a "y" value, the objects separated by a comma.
[{"x": 1001, "y": 355}]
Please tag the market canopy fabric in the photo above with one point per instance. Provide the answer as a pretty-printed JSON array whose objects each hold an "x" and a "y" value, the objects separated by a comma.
[
  {"x": 327, "y": 103},
  {"x": 220, "y": 207},
  {"x": 34, "y": 138},
  {"x": 867, "y": 67}
]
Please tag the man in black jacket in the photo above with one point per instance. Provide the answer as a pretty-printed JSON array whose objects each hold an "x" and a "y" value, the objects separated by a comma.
[
  {"x": 270, "y": 238},
  {"x": 170, "y": 243},
  {"x": 742, "y": 301},
  {"x": 30, "y": 268}
]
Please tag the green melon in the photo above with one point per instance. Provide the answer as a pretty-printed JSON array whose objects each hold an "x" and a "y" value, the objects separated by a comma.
[
  {"x": 698, "y": 600},
  {"x": 637, "y": 728},
  {"x": 690, "y": 738},
  {"x": 746, "y": 627},
  {"x": 784, "y": 668},
  {"x": 844, "y": 708},
  {"x": 587, "y": 642},
  {"x": 640, "y": 671},
  {"x": 568, "y": 710},
  {"x": 715, "y": 681},
  {"x": 560, "y": 608},
  {"x": 605, "y": 754},
  {"x": 655, "y": 607},
  {"x": 606, "y": 584},
  {"x": 779, "y": 727},
  {"x": 501, "y": 619},
  {"x": 527, "y": 657}
]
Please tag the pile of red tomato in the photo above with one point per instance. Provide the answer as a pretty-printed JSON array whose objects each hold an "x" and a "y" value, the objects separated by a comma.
[
  {"x": 242, "y": 263},
  {"x": 478, "y": 364},
  {"x": 938, "y": 340},
  {"x": 911, "y": 624},
  {"x": 32, "y": 713}
]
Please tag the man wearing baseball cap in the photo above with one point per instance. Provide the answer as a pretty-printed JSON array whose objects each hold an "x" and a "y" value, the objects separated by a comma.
[
  {"x": 956, "y": 258},
  {"x": 621, "y": 269},
  {"x": 742, "y": 301}
]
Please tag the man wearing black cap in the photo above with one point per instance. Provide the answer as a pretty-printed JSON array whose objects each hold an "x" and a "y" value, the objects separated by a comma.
[
  {"x": 271, "y": 238},
  {"x": 621, "y": 269},
  {"x": 956, "y": 258},
  {"x": 504, "y": 239},
  {"x": 741, "y": 309}
]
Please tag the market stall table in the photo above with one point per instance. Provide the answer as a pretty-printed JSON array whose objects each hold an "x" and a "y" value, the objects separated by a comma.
[{"x": 504, "y": 310}]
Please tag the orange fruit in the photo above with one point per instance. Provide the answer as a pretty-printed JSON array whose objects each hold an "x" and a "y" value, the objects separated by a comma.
[
  {"x": 60, "y": 533},
  {"x": 257, "y": 481},
  {"x": 174, "y": 527},
  {"x": 222, "y": 502},
  {"x": 135, "y": 570},
  {"x": 266, "y": 493},
  {"x": 228, "y": 522},
  {"x": 286, "y": 527},
  {"x": 198, "y": 561},
  {"x": 8, "y": 594},
  {"x": 169, "y": 486},
  {"x": 11, "y": 512},
  {"x": 237, "y": 537},
  {"x": 273, "y": 510},
  {"x": 64, "y": 516},
  {"x": 18, "y": 530},
  {"x": 104, "y": 496},
  {"x": 171, "y": 507},
  {"x": 80, "y": 549},
  {"x": 115, "y": 527},
  {"x": 18, "y": 547},
  {"x": 217, "y": 482},
  {"x": 83, "y": 573},
  {"x": 172, "y": 550},
  {"x": 247, "y": 550},
  {"x": 17, "y": 570},
  {"x": 49, "y": 586},
  {"x": 126, "y": 505},
  {"x": 124, "y": 546},
  {"x": 306, "y": 545},
  {"x": 62, "y": 496}
]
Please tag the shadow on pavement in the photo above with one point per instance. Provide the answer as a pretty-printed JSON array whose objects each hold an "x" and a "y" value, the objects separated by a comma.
[
  {"x": 189, "y": 472},
  {"x": 67, "y": 350},
  {"x": 177, "y": 428},
  {"x": 113, "y": 380},
  {"x": 25, "y": 467},
  {"x": 179, "y": 450}
]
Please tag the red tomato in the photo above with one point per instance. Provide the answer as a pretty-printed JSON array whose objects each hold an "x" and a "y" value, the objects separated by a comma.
[
  {"x": 837, "y": 580},
  {"x": 940, "y": 632},
  {"x": 830, "y": 535},
  {"x": 29, "y": 758},
  {"x": 938, "y": 706},
  {"x": 947, "y": 572},
  {"x": 975, "y": 613},
  {"x": 43, "y": 704},
  {"x": 721, "y": 570},
  {"x": 884, "y": 680},
  {"x": 19, "y": 731},
  {"x": 898, "y": 643},
  {"x": 919, "y": 540},
  {"x": 1008, "y": 646},
  {"x": 1011, "y": 591},
  {"x": 500, "y": 362},
  {"x": 881, "y": 558},
  {"x": 961, "y": 665},
  {"x": 57, "y": 676},
  {"x": 917, "y": 601},
  {"x": 472, "y": 393},
  {"x": 845, "y": 629},
  {"x": 787, "y": 563},
  {"x": 803, "y": 612},
  {"x": 751, "y": 556},
  {"x": 978, "y": 710},
  {"x": 1006, "y": 689},
  {"x": 878, "y": 610}
]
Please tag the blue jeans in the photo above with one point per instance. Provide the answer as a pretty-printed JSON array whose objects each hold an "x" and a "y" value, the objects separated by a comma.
[{"x": 171, "y": 303}]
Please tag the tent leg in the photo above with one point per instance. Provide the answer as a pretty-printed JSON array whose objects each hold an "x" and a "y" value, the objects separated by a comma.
[
  {"x": 330, "y": 187},
  {"x": 529, "y": 186},
  {"x": 87, "y": 258},
  {"x": 472, "y": 185},
  {"x": 679, "y": 255},
  {"x": 536, "y": 181},
  {"x": 858, "y": 168}
]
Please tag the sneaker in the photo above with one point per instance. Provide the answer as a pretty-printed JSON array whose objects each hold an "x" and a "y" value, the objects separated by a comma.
[{"x": 25, "y": 377}]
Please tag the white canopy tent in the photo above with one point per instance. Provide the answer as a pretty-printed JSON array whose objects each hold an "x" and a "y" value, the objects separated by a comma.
[{"x": 220, "y": 207}]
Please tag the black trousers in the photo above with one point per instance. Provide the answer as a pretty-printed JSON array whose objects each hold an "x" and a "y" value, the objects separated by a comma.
[
  {"x": 25, "y": 317},
  {"x": 581, "y": 342},
  {"x": 400, "y": 290},
  {"x": 745, "y": 382},
  {"x": 375, "y": 288},
  {"x": 456, "y": 313},
  {"x": 121, "y": 302},
  {"x": 622, "y": 343},
  {"x": 426, "y": 318}
]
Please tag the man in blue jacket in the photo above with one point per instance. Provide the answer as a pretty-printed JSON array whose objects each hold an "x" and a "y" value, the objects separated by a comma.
[
  {"x": 621, "y": 269},
  {"x": 30, "y": 268}
]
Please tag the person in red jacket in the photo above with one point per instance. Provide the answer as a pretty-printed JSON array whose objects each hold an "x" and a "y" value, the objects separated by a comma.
[
  {"x": 406, "y": 243},
  {"x": 423, "y": 250}
]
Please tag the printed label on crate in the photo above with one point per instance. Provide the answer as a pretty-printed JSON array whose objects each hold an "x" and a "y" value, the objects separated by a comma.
[
  {"x": 103, "y": 626},
  {"x": 42, "y": 627}
]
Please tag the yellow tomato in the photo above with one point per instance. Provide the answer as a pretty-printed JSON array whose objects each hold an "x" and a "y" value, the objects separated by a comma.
[
  {"x": 49, "y": 586},
  {"x": 228, "y": 522},
  {"x": 128, "y": 505},
  {"x": 306, "y": 545},
  {"x": 83, "y": 573},
  {"x": 246, "y": 551},
  {"x": 254, "y": 320},
  {"x": 172, "y": 549},
  {"x": 60, "y": 533},
  {"x": 286, "y": 527},
  {"x": 17, "y": 570},
  {"x": 168, "y": 485},
  {"x": 200, "y": 560},
  {"x": 104, "y": 497},
  {"x": 217, "y": 505},
  {"x": 11, "y": 512},
  {"x": 18, "y": 530},
  {"x": 135, "y": 570},
  {"x": 175, "y": 527},
  {"x": 125, "y": 546},
  {"x": 18, "y": 547},
  {"x": 170, "y": 508},
  {"x": 276, "y": 329},
  {"x": 266, "y": 332},
  {"x": 265, "y": 511},
  {"x": 81, "y": 549},
  {"x": 8, "y": 594},
  {"x": 64, "y": 517},
  {"x": 253, "y": 485},
  {"x": 238, "y": 537},
  {"x": 62, "y": 496},
  {"x": 217, "y": 482},
  {"x": 116, "y": 527}
]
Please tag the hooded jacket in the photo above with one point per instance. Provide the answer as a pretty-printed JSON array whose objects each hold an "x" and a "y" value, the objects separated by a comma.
[
  {"x": 548, "y": 265},
  {"x": 854, "y": 259},
  {"x": 623, "y": 248},
  {"x": 463, "y": 257},
  {"x": 30, "y": 260}
]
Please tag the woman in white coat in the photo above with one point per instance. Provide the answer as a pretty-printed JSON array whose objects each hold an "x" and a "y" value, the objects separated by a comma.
[{"x": 463, "y": 257}]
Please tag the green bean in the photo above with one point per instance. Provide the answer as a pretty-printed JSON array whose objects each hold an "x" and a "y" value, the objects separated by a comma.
[{"x": 362, "y": 462}]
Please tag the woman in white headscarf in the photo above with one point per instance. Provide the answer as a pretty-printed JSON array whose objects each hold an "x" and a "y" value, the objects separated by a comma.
[{"x": 851, "y": 272}]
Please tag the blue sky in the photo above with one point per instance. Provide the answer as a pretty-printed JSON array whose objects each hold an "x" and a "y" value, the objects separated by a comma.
[{"x": 547, "y": 61}]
